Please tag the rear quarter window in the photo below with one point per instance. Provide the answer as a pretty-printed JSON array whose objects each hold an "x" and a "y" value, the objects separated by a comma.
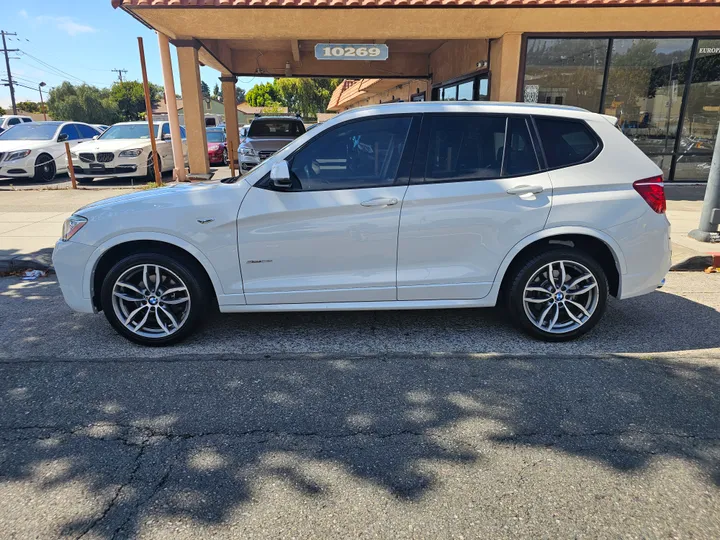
[{"x": 565, "y": 142}]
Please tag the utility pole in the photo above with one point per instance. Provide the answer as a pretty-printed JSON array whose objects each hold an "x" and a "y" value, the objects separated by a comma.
[
  {"x": 710, "y": 215},
  {"x": 7, "y": 65},
  {"x": 120, "y": 73}
]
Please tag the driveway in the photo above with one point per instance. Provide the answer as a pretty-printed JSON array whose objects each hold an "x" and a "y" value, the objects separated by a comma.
[{"x": 388, "y": 424}]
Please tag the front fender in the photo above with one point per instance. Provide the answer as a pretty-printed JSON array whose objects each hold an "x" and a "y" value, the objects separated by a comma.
[
  {"x": 549, "y": 233},
  {"x": 91, "y": 265}
]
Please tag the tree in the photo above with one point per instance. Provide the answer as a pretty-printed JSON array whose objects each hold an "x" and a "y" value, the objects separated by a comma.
[
  {"x": 2, "y": 111},
  {"x": 239, "y": 95},
  {"x": 129, "y": 97},
  {"x": 216, "y": 94},
  {"x": 305, "y": 96},
  {"x": 205, "y": 89},
  {"x": 262, "y": 95},
  {"x": 82, "y": 103},
  {"x": 30, "y": 107}
]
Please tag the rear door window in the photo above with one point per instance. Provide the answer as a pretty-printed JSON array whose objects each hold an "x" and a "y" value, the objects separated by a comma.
[
  {"x": 565, "y": 142},
  {"x": 87, "y": 132}
]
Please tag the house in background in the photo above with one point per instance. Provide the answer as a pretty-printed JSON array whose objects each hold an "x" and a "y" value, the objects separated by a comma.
[{"x": 247, "y": 112}]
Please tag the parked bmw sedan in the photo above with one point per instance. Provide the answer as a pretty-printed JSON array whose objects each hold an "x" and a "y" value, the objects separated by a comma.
[
  {"x": 125, "y": 150},
  {"x": 37, "y": 149},
  {"x": 546, "y": 210}
]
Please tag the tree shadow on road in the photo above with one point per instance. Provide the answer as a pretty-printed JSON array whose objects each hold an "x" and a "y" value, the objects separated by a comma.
[{"x": 192, "y": 438}]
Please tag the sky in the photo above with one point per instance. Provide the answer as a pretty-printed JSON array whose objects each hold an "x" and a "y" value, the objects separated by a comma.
[{"x": 80, "y": 41}]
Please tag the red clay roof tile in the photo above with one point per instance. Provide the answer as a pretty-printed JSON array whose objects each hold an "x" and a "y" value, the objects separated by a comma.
[{"x": 400, "y": 3}]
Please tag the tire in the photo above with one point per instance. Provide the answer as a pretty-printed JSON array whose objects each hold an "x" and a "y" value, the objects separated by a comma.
[
  {"x": 546, "y": 297},
  {"x": 226, "y": 159},
  {"x": 169, "y": 319},
  {"x": 151, "y": 168},
  {"x": 45, "y": 168}
]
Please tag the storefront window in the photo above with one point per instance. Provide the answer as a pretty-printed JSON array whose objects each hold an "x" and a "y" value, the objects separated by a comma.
[
  {"x": 702, "y": 114},
  {"x": 565, "y": 71},
  {"x": 475, "y": 89},
  {"x": 465, "y": 91},
  {"x": 645, "y": 88}
]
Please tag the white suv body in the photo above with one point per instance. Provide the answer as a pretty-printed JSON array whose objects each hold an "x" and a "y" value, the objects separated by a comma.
[
  {"x": 404, "y": 206},
  {"x": 125, "y": 150},
  {"x": 9, "y": 120}
]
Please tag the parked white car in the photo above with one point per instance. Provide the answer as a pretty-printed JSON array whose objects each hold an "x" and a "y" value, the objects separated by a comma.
[
  {"x": 125, "y": 150},
  {"x": 545, "y": 209},
  {"x": 37, "y": 149},
  {"x": 9, "y": 120}
]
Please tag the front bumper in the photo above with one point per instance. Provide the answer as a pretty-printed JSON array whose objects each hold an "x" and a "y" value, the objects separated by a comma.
[
  {"x": 119, "y": 166},
  {"x": 69, "y": 260},
  {"x": 19, "y": 168}
]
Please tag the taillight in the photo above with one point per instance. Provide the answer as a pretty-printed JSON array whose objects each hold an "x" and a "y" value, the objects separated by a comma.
[{"x": 653, "y": 191}]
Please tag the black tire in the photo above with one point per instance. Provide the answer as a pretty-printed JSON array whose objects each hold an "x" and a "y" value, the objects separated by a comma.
[
  {"x": 151, "y": 168},
  {"x": 186, "y": 269},
  {"x": 516, "y": 291},
  {"x": 45, "y": 168},
  {"x": 226, "y": 159}
]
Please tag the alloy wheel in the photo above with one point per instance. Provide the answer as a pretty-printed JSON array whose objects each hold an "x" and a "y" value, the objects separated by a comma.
[
  {"x": 45, "y": 168},
  {"x": 561, "y": 296},
  {"x": 151, "y": 301}
]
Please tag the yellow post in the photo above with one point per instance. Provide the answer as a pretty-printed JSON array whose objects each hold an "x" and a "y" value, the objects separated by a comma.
[
  {"x": 71, "y": 170},
  {"x": 148, "y": 110},
  {"x": 190, "y": 84}
]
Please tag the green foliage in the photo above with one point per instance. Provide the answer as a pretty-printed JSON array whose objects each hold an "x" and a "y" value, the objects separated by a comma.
[
  {"x": 205, "y": 89},
  {"x": 82, "y": 103},
  {"x": 273, "y": 107},
  {"x": 130, "y": 98},
  {"x": 216, "y": 93},
  {"x": 239, "y": 95},
  {"x": 2, "y": 111},
  {"x": 300, "y": 95},
  {"x": 30, "y": 107}
]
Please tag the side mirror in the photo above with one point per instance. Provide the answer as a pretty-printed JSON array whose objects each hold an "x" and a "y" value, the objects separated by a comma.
[
  {"x": 63, "y": 137},
  {"x": 95, "y": 137},
  {"x": 280, "y": 175}
]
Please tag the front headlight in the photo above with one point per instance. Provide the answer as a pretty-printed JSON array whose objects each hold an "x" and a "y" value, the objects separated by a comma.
[
  {"x": 135, "y": 152},
  {"x": 247, "y": 151},
  {"x": 71, "y": 226},
  {"x": 17, "y": 155}
]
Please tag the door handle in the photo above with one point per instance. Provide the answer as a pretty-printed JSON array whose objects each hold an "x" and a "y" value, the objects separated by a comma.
[
  {"x": 524, "y": 190},
  {"x": 380, "y": 202}
]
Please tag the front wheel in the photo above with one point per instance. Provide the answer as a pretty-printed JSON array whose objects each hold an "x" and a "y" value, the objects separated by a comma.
[
  {"x": 154, "y": 299},
  {"x": 44, "y": 168},
  {"x": 558, "y": 295},
  {"x": 151, "y": 168}
]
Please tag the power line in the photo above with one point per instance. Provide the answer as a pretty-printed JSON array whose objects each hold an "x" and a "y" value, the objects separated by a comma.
[
  {"x": 120, "y": 73},
  {"x": 58, "y": 70}
]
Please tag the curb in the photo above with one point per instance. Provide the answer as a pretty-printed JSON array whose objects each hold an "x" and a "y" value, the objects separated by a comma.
[
  {"x": 34, "y": 261},
  {"x": 695, "y": 263}
]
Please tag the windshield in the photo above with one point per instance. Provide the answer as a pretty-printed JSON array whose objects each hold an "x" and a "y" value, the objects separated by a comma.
[
  {"x": 215, "y": 136},
  {"x": 276, "y": 128},
  {"x": 33, "y": 131},
  {"x": 128, "y": 131}
]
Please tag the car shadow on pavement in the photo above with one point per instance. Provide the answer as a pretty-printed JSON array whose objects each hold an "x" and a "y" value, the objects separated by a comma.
[{"x": 197, "y": 439}]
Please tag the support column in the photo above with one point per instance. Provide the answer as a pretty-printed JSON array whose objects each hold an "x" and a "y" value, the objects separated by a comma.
[
  {"x": 231, "y": 113},
  {"x": 189, "y": 66},
  {"x": 505, "y": 67},
  {"x": 169, "y": 83}
]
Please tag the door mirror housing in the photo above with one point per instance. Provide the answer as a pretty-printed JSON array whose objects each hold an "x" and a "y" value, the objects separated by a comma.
[
  {"x": 280, "y": 175},
  {"x": 63, "y": 137},
  {"x": 95, "y": 137}
]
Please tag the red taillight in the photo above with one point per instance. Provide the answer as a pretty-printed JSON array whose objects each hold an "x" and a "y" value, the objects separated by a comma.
[{"x": 653, "y": 191}]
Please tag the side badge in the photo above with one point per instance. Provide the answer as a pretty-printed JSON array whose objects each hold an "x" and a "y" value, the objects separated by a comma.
[{"x": 205, "y": 221}]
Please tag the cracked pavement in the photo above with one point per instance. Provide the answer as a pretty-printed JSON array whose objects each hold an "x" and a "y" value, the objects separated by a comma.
[{"x": 398, "y": 424}]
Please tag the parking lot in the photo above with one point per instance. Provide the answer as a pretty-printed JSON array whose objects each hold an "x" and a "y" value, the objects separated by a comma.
[{"x": 377, "y": 424}]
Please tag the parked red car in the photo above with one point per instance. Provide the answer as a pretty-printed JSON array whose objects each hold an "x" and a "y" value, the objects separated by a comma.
[{"x": 217, "y": 146}]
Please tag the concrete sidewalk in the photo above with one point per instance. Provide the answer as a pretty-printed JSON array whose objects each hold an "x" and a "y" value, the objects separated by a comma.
[{"x": 31, "y": 222}]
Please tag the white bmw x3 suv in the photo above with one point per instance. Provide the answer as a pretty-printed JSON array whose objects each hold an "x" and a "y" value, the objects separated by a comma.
[{"x": 545, "y": 209}]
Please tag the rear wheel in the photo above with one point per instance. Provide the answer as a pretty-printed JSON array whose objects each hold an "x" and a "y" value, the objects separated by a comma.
[
  {"x": 558, "y": 296},
  {"x": 154, "y": 299},
  {"x": 151, "y": 168},
  {"x": 226, "y": 160},
  {"x": 44, "y": 168}
]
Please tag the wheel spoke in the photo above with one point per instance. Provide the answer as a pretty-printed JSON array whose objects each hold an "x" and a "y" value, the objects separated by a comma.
[
  {"x": 571, "y": 314},
  {"x": 555, "y": 317},
  {"x": 143, "y": 320},
  {"x": 582, "y": 291},
  {"x": 563, "y": 275},
  {"x": 171, "y": 291},
  {"x": 146, "y": 279},
  {"x": 128, "y": 286},
  {"x": 176, "y": 301},
  {"x": 128, "y": 297},
  {"x": 580, "y": 280},
  {"x": 579, "y": 306},
  {"x": 159, "y": 320},
  {"x": 551, "y": 276},
  {"x": 169, "y": 316},
  {"x": 538, "y": 290},
  {"x": 544, "y": 314},
  {"x": 133, "y": 313},
  {"x": 531, "y": 300},
  {"x": 157, "y": 279}
]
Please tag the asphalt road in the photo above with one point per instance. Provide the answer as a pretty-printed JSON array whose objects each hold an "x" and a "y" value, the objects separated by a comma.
[{"x": 443, "y": 424}]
